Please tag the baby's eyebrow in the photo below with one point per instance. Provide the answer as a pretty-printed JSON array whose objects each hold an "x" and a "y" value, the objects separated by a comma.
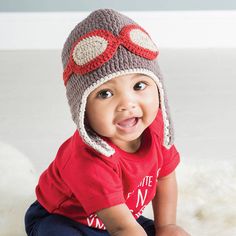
[
  {"x": 112, "y": 82},
  {"x": 109, "y": 82}
]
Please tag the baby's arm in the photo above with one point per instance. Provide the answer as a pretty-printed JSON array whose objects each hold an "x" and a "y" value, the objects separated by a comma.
[
  {"x": 164, "y": 207},
  {"x": 120, "y": 222}
]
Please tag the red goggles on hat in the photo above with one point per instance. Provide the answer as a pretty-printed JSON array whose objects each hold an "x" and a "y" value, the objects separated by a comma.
[{"x": 95, "y": 48}]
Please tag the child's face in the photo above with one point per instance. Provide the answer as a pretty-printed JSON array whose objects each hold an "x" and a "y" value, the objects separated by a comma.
[{"x": 122, "y": 108}]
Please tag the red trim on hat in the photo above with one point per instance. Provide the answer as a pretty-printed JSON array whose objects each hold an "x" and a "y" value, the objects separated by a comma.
[
  {"x": 113, "y": 43},
  {"x": 95, "y": 63},
  {"x": 132, "y": 46}
]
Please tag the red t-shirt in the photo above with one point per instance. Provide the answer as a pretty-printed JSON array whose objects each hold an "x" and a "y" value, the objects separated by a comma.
[{"x": 80, "y": 181}]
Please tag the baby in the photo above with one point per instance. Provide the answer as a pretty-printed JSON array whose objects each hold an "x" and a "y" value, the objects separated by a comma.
[{"x": 121, "y": 156}]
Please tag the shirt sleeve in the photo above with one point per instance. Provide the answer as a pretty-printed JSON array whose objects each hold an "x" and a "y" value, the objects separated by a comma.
[
  {"x": 171, "y": 159},
  {"x": 94, "y": 182}
]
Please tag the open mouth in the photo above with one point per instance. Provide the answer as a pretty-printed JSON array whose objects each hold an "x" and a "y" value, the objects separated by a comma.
[{"x": 128, "y": 124}]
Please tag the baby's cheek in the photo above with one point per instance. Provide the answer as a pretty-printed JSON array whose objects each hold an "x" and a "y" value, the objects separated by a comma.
[
  {"x": 104, "y": 123},
  {"x": 154, "y": 110}
]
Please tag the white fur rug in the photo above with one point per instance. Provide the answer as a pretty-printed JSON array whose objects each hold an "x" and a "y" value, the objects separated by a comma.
[
  {"x": 17, "y": 183},
  {"x": 207, "y": 197},
  {"x": 207, "y": 194}
]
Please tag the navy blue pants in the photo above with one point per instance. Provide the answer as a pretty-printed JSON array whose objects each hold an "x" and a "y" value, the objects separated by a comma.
[{"x": 38, "y": 222}]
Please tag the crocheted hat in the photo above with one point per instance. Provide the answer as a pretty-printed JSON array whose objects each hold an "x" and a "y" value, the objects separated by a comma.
[{"x": 103, "y": 46}]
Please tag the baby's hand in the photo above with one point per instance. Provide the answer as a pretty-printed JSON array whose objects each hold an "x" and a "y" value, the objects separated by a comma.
[{"x": 171, "y": 230}]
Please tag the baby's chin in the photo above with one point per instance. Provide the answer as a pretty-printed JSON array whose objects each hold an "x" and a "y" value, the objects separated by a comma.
[
  {"x": 129, "y": 145},
  {"x": 127, "y": 138}
]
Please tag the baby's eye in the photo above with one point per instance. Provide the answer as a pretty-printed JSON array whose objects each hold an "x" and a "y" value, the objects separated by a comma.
[
  {"x": 104, "y": 94},
  {"x": 140, "y": 86}
]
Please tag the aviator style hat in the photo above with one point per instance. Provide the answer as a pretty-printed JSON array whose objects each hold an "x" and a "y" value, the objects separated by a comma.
[{"x": 103, "y": 46}]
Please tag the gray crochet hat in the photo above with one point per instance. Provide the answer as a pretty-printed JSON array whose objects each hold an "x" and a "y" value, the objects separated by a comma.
[{"x": 103, "y": 46}]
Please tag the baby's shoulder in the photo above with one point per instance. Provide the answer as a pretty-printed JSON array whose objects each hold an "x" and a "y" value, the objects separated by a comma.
[
  {"x": 75, "y": 153},
  {"x": 73, "y": 147}
]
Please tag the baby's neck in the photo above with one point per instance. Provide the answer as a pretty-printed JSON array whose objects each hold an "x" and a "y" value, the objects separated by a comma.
[{"x": 131, "y": 146}]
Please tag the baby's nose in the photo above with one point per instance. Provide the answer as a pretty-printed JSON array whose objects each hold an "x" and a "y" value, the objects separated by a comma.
[{"x": 126, "y": 103}]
